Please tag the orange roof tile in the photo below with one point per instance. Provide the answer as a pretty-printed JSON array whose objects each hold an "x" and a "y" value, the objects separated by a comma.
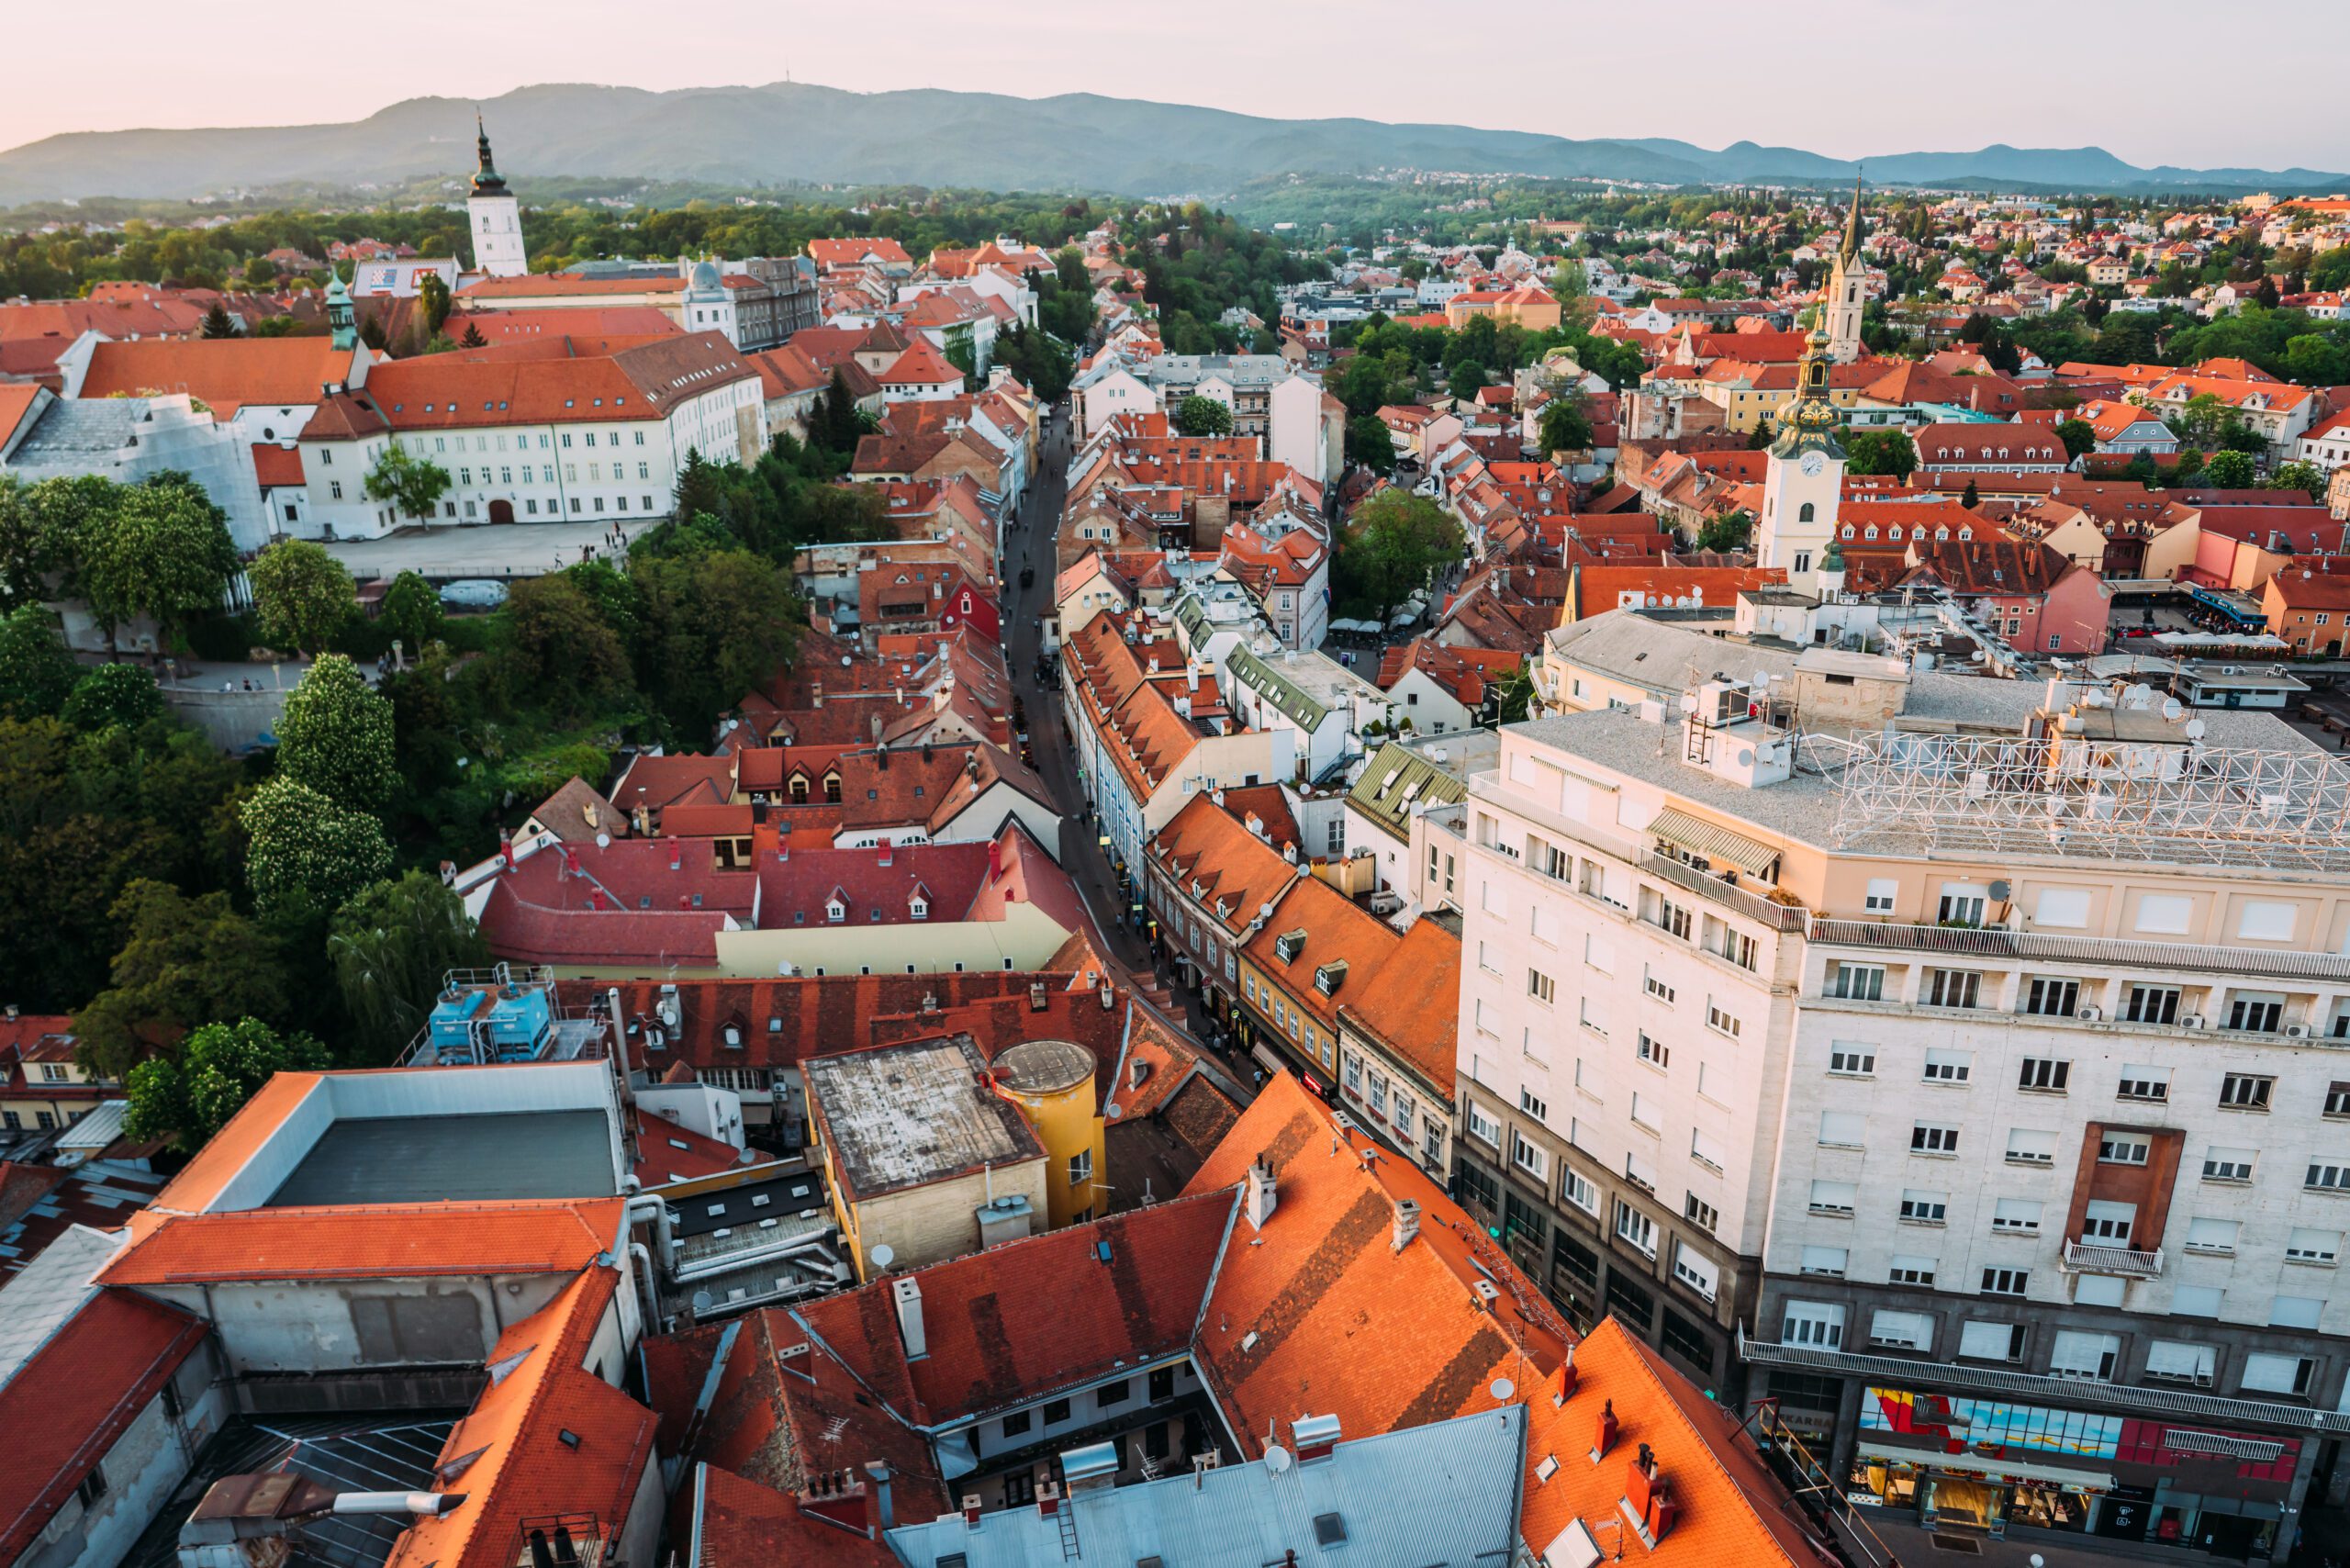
[
  {"x": 1411, "y": 1005},
  {"x": 224, "y": 372},
  {"x": 388, "y": 1241}
]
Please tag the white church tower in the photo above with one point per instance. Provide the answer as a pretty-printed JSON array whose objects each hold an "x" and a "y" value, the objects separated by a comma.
[
  {"x": 1804, "y": 482},
  {"x": 496, "y": 218},
  {"x": 1841, "y": 314}
]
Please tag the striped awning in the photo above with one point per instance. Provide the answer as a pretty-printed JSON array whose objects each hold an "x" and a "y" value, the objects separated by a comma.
[{"x": 1686, "y": 832}]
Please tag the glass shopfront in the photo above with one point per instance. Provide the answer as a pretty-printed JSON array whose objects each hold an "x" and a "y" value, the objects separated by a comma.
[{"x": 2019, "y": 1470}]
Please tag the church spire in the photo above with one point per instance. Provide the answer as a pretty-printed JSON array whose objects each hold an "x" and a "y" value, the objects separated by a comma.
[
  {"x": 1849, "y": 249},
  {"x": 488, "y": 181}
]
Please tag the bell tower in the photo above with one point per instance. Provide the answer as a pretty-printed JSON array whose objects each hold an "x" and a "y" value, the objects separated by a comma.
[
  {"x": 496, "y": 217},
  {"x": 1842, "y": 313},
  {"x": 1803, "y": 481}
]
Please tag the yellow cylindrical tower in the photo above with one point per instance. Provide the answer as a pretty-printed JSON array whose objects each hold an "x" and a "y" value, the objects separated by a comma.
[{"x": 1052, "y": 1082}]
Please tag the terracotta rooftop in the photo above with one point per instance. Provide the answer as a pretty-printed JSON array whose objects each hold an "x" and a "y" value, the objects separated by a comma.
[{"x": 388, "y": 1241}]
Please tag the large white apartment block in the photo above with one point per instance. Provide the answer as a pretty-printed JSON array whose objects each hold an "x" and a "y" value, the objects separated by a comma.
[{"x": 1964, "y": 1063}]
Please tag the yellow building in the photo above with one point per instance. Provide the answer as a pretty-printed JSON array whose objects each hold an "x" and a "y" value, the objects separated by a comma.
[
  {"x": 1052, "y": 1082},
  {"x": 41, "y": 1082}
]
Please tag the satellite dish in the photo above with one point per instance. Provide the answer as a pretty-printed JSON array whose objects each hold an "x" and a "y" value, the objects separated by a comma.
[
  {"x": 603, "y": 841},
  {"x": 1502, "y": 1388},
  {"x": 2194, "y": 729},
  {"x": 884, "y": 1254},
  {"x": 1277, "y": 1459},
  {"x": 2000, "y": 891},
  {"x": 2173, "y": 709}
]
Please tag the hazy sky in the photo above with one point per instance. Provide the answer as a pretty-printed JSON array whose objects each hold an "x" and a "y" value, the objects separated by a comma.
[{"x": 1855, "y": 77}]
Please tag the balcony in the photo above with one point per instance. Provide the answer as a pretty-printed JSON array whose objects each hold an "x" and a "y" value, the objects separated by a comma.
[
  {"x": 2097, "y": 1258},
  {"x": 2039, "y": 1389},
  {"x": 2001, "y": 943}
]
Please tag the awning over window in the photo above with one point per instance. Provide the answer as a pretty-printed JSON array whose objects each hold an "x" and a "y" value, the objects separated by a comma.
[{"x": 1704, "y": 838}]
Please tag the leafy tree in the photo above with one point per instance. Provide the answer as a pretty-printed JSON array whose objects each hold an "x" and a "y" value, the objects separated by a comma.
[
  {"x": 839, "y": 424},
  {"x": 412, "y": 609},
  {"x": 2315, "y": 360},
  {"x": 389, "y": 948},
  {"x": 1465, "y": 379},
  {"x": 413, "y": 485},
  {"x": 1516, "y": 695},
  {"x": 335, "y": 737},
  {"x": 2304, "y": 476},
  {"x": 189, "y": 1096},
  {"x": 59, "y": 517},
  {"x": 36, "y": 670},
  {"x": 1563, "y": 425},
  {"x": 1766, "y": 430},
  {"x": 473, "y": 338},
  {"x": 2078, "y": 435},
  {"x": 1396, "y": 543},
  {"x": 1727, "y": 530},
  {"x": 219, "y": 323},
  {"x": 309, "y": 855},
  {"x": 163, "y": 550},
  {"x": 2229, "y": 471},
  {"x": 1203, "y": 417},
  {"x": 182, "y": 960},
  {"x": 303, "y": 593},
  {"x": 560, "y": 652},
  {"x": 716, "y": 624},
  {"x": 1369, "y": 443},
  {"x": 371, "y": 333},
  {"x": 433, "y": 296},
  {"x": 1886, "y": 452},
  {"x": 118, "y": 695},
  {"x": 1971, "y": 497}
]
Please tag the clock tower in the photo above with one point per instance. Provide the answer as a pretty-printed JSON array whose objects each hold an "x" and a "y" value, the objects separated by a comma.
[
  {"x": 1804, "y": 480},
  {"x": 1841, "y": 312},
  {"x": 496, "y": 217}
]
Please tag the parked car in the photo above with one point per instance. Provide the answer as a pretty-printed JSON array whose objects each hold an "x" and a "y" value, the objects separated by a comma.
[{"x": 473, "y": 593}]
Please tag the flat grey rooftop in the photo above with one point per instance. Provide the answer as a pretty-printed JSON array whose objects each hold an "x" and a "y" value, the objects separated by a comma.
[
  {"x": 413, "y": 1159},
  {"x": 73, "y": 427},
  {"x": 902, "y": 1115}
]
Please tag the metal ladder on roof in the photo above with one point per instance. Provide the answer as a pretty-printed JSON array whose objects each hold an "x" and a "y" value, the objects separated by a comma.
[{"x": 1067, "y": 1514}]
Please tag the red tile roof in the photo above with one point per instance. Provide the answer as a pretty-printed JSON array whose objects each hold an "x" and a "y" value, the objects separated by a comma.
[
  {"x": 224, "y": 372},
  {"x": 76, "y": 1395},
  {"x": 1411, "y": 1004},
  {"x": 452, "y": 391},
  {"x": 387, "y": 1242},
  {"x": 277, "y": 465}
]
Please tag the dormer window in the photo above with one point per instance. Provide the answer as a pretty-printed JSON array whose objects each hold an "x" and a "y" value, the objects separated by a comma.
[
  {"x": 917, "y": 909},
  {"x": 835, "y": 911}
]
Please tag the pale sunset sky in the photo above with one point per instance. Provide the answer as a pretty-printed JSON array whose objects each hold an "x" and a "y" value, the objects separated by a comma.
[{"x": 2180, "y": 82}]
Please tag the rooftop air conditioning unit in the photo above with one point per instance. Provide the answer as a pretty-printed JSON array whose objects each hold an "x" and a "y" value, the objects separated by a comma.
[
  {"x": 2193, "y": 1021},
  {"x": 2091, "y": 1014},
  {"x": 2299, "y": 1031}
]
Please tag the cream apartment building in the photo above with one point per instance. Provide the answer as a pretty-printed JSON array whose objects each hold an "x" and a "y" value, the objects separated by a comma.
[{"x": 1974, "y": 1081}]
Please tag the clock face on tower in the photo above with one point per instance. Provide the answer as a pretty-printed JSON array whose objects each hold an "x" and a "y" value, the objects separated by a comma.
[{"x": 1812, "y": 464}]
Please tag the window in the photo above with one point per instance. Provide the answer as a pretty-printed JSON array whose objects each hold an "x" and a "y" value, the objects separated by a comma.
[
  {"x": 1111, "y": 1394},
  {"x": 1695, "y": 1271},
  {"x": 2244, "y": 1091},
  {"x": 1483, "y": 1127},
  {"x": 1577, "y": 1189},
  {"x": 2107, "y": 1221},
  {"x": 1638, "y": 1172},
  {"x": 1858, "y": 982},
  {"x": 2255, "y": 1012},
  {"x": 1902, "y": 1331},
  {"x": 1835, "y": 1197},
  {"x": 2005, "y": 1282},
  {"x": 1594, "y": 1017},
  {"x": 1528, "y": 1158},
  {"x": 334, "y": 489},
  {"x": 2044, "y": 1075},
  {"x": 1699, "y": 1213},
  {"x": 2304, "y": 1245},
  {"x": 2337, "y": 1099},
  {"x": 1951, "y": 987},
  {"x": 1633, "y": 1226},
  {"x": 1960, "y": 905},
  {"x": 1982, "y": 1341},
  {"x": 1882, "y": 890},
  {"x": 1843, "y": 1129},
  {"x": 1827, "y": 1262},
  {"x": 1528, "y": 1102},
  {"x": 1656, "y": 988},
  {"x": 1921, "y": 1207},
  {"x": 2279, "y": 1374},
  {"x": 93, "y": 1487},
  {"x": 1720, "y": 1022},
  {"x": 2152, "y": 1003},
  {"x": 2323, "y": 1177},
  {"x": 1055, "y": 1410},
  {"x": 1018, "y": 1422},
  {"x": 2228, "y": 1164},
  {"x": 1654, "y": 1051},
  {"x": 2143, "y": 1083},
  {"x": 1933, "y": 1138},
  {"x": 2066, "y": 909},
  {"x": 2052, "y": 998},
  {"x": 1080, "y": 1168},
  {"x": 1644, "y": 1111},
  {"x": 2174, "y": 1360},
  {"x": 2079, "y": 1354},
  {"x": 1948, "y": 1066},
  {"x": 1478, "y": 1186},
  {"x": 2195, "y": 1301},
  {"x": 1847, "y": 1060},
  {"x": 1817, "y": 1323},
  {"x": 2263, "y": 920},
  {"x": 2016, "y": 1216},
  {"x": 2123, "y": 1149},
  {"x": 1599, "y": 955},
  {"x": 1704, "y": 1151},
  {"x": 1541, "y": 987}
]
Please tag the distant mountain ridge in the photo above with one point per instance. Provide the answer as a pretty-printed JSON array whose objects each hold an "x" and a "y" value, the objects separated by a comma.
[{"x": 1079, "y": 142}]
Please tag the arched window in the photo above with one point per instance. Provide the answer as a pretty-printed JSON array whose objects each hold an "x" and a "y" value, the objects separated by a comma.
[{"x": 1805, "y": 515}]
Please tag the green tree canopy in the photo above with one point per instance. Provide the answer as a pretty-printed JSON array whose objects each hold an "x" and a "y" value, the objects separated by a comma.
[
  {"x": 308, "y": 855},
  {"x": 36, "y": 670},
  {"x": 188, "y": 1095},
  {"x": 161, "y": 550},
  {"x": 561, "y": 653},
  {"x": 1203, "y": 415},
  {"x": 411, "y": 611},
  {"x": 335, "y": 737},
  {"x": 2078, "y": 435},
  {"x": 1727, "y": 530},
  {"x": 183, "y": 961},
  {"x": 1396, "y": 543},
  {"x": 303, "y": 593},
  {"x": 2304, "y": 476},
  {"x": 716, "y": 625},
  {"x": 1886, "y": 452},
  {"x": 121, "y": 695},
  {"x": 2229, "y": 471},
  {"x": 390, "y": 948},
  {"x": 413, "y": 485},
  {"x": 1563, "y": 425}
]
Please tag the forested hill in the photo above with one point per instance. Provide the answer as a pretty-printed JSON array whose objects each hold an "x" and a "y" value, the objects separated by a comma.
[{"x": 788, "y": 132}]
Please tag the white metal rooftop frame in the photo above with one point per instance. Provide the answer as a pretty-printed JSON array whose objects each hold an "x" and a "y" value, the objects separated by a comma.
[{"x": 2260, "y": 809}]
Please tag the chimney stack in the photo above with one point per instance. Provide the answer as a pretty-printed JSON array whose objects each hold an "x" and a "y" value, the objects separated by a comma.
[
  {"x": 1261, "y": 1194},
  {"x": 1606, "y": 1433},
  {"x": 878, "y": 1472},
  {"x": 1315, "y": 1436},
  {"x": 1407, "y": 1223},
  {"x": 907, "y": 1292},
  {"x": 970, "y": 1510}
]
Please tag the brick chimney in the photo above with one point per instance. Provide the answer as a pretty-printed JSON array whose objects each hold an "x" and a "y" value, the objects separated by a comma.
[
  {"x": 839, "y": 1496},
  {"x": 1408, "y": 1224},
  {"x": 1605, "y": 1438},
  {"x": 1261, "y": 1196}
]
